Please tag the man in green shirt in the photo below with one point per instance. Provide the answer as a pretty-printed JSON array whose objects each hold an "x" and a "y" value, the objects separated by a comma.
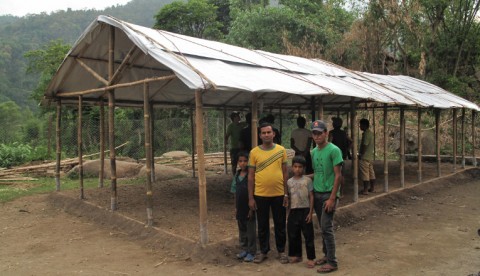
[
  {"x": 233, "y": 130},
  {"x": 327, "y": 167},
  {"x": 365, "y": 156}
]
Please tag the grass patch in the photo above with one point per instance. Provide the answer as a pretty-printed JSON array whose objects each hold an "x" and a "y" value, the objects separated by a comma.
[{"x": 40, "y": 186}]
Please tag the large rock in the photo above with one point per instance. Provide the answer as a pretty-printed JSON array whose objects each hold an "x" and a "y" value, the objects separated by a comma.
[
  {"x": 163, "y": 172},
  {"x": 91, "y": 168}
]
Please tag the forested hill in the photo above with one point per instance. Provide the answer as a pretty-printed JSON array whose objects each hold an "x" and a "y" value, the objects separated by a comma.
[{"x": 19, "y": 35}]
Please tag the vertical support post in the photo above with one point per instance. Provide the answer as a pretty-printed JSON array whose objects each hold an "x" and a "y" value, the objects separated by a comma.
[
  {"x": 437, "y": 140},
  {"x": 474, "y": 158},
  {"x": 419, "y": 143},
  {"x": 385, "y": 148},
  {"x": 152, "y": 144},
  {"x": 374, "y": 134},
  {"x": 312, "y": 108},
  {"x": 192, "y": 127},
  {"x": 354, "y": 149},
  {"x": 281, "y": 123},
  {"x": 202, "y": 181},
  {"x": 80, "y": 146},
  {"x": 463, "y": 138},
  {"x": 225, "y": 164},
  {"x": 320, "y": 108},
  {"x": 402, "y": 146},
  {"x": 454, "y": 135},
  {"x": 111, "y": 122},
  {"x": 59, "y": 145},
  {"x": 254, "y": 120},
  {"x": 148, "y": 153},
  {"x": 102, "y": 145}
]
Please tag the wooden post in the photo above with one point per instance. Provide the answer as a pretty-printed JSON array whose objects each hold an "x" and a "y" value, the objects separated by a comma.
[
  {"x": 59, "y": 145},
  {"x": 102, "y": 145},
  {"x": 192, "y": 128},
  {"x": 474, "y": 158},
  {"x": 312, "y": 108},
  {"x": 320, "y": 108},
  {"x": 463, "y": 138},
  {"x": 111, "y": 122},
  {"x": 437, "y": 140},
  {"x": 402, "y": 146},
  {"x": 225, "y": 164},
  {"x": 202, "y": 181},
  {"x": 419, "y": 143},
  {"x": 385, "y": 148},
  {"x": 454, "y": 134},
  {"x": 354, "y": 149},
  {"x": 148, "y": 154},
  {"x": 80, "y": 146},
  {"x": 254, "y": 120},
  {"x": 49, "y": 135}
]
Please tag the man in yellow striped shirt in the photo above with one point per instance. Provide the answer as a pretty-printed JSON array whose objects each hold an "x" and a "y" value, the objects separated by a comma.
[{"x": 267, "y": 180}]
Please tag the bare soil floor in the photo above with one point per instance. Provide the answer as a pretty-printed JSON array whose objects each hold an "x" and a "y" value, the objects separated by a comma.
[{"x": 426, "y": 229}]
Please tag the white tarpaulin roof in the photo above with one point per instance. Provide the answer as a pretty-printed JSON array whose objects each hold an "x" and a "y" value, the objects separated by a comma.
[{"x": 229, "y": 74}]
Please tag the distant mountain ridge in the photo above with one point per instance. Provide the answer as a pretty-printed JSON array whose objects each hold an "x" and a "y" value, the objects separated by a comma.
[{"x": 19, "y": 35}]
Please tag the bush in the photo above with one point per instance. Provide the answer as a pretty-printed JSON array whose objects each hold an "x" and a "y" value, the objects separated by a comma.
[{"x": 16, "y": 154}]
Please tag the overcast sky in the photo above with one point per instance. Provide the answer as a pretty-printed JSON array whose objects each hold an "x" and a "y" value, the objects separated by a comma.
[{"x": 23, "y": 7}]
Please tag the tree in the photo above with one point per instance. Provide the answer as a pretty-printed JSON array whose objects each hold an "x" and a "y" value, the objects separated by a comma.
[
  {"x": 10, "y": 119},
  {"x": 196, "y": 18},
  {"x": 45, "y": 62}
]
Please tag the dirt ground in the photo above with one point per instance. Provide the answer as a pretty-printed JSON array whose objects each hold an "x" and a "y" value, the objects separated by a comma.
[{"x": 425, "y": 229}]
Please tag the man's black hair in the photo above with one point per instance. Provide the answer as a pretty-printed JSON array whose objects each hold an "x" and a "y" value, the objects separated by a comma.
[
  {"x": 365, "y": 122},
  {"x": 266, "y": 124},
  {"x": 301, "y": 122}
]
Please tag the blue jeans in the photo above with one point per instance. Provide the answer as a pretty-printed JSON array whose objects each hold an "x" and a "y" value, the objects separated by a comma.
[{"x": 326, "y": 225}]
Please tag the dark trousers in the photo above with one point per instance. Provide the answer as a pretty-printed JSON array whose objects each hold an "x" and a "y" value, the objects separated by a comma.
[
  {"x": 296, "y": 225},
  {"x": 247, "y": 235},
  {"x": 264, "y": 205},
  {"x": 325, "y": 219}
]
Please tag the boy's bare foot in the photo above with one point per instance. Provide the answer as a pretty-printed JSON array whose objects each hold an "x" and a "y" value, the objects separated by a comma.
[{"x": 310, "y": 263}]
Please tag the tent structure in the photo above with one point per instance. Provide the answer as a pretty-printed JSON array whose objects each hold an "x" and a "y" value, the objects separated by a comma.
[{"x": 133, "y": 66}]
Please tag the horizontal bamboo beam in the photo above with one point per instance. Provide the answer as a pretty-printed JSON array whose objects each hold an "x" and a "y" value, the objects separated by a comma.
[{"x": 116, "y": 86}]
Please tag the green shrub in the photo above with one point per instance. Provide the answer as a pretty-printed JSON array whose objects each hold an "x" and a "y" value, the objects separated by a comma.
[{"x": 15, "y": 154}]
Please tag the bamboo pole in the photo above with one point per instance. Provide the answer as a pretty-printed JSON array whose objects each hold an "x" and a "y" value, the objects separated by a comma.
[
  {"x": 148, "y": 153},
  {"x": 454, "y": 134},
  {"x": 402, "y": 147},
  {"x": 192, "y": 130},
  {"x": 115, "y": 86},
  {"x": 111, "y": 123},
  {"x": 312, "y": 108},
  {"x": 49, "y": 135},
  {"x": 225, "y": 165},
  {"x": 437, "y": 140},
  {"x": 354, "y": 149},
  {"x": 59, "y": 145},
  {"x": 281, "y": 123},
  {"x": 254, "y": 120},
  {"x": 374, "y": 135},
  {"x": 385, "y": 148},
  {"x": 320, "y": 108},
  {"x": 474, "y": 158},
  {"x": 202, "y": 181},
  {"x": 80, "y": 146},
  {"x": 152, "y": 137},
  {"x": 102, "y": 145},
  {"x": 419, "y": 143},
  {"x": 463, "y": 138}
]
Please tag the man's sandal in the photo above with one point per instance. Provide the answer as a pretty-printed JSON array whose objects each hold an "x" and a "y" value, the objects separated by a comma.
[
  {"x": 310, "y": 263},
  {"x": 260, "y": 257},
  {"x": 321, "y": 261},
  {"x": 327, "y": 268}
]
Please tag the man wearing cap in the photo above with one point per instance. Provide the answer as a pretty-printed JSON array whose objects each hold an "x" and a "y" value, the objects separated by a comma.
[{"x": 327, "y": 167}]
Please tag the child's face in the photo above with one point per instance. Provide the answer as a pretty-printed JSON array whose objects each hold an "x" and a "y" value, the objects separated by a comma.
[
  {"x": 297, "y": 169},
  {"x": 242, "y": 162}
]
